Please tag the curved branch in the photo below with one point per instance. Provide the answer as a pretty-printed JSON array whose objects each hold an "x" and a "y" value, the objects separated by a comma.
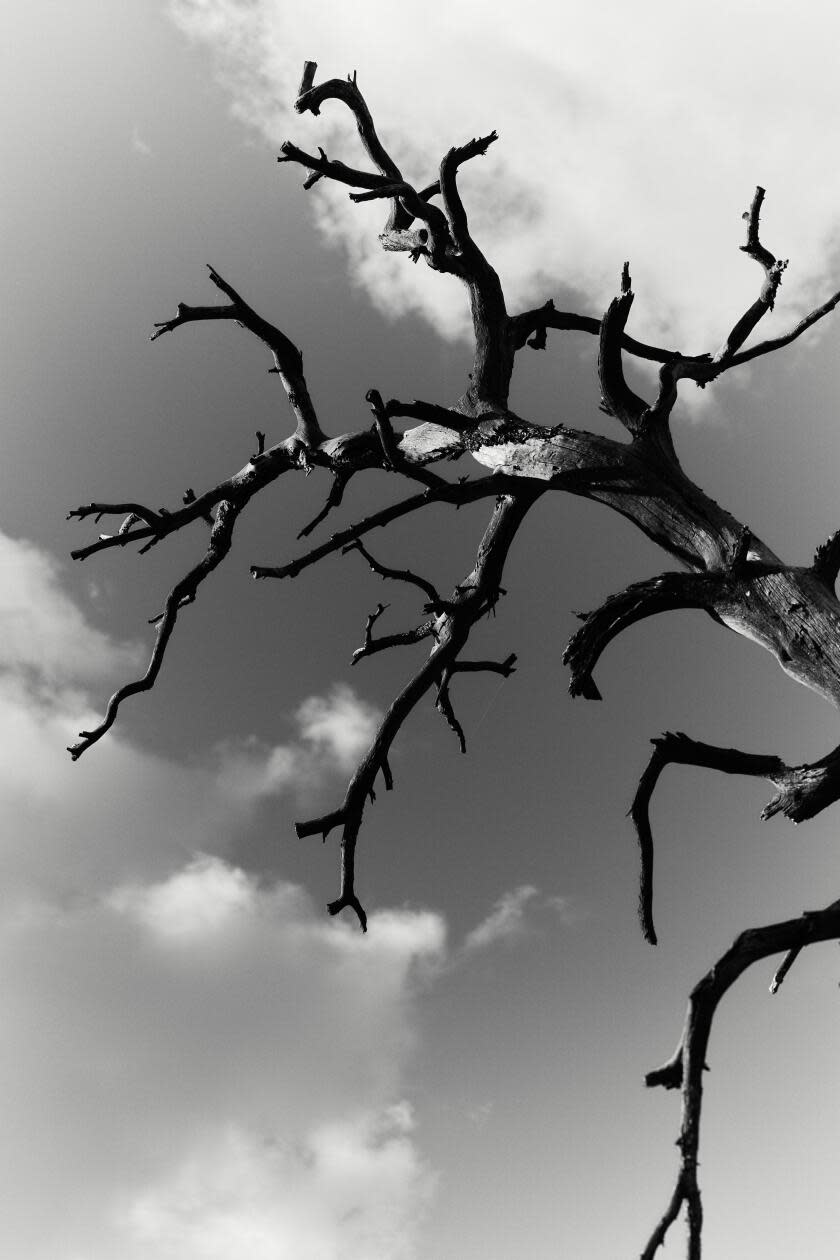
[
  {"x": 404, "y": 638},
  {"x": 803, "y": 792},
  {"x": 453, "y": 205},
  {"x": 617, "y": 398},
  {"x": 396, "y": 575},
  {"x": 311, "y": 98},
  {"x": 288, "y": 360},
  {"x": 182, "y": 593},
  {"x": 457, "y": 494},
  {"x": 642, "y": 599}
]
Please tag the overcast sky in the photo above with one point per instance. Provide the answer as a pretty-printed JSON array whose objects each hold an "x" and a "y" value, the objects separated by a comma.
[{"x": 195, "y": 1060}]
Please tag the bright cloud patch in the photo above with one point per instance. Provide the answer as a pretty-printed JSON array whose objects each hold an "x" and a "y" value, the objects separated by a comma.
[
  {"x": 505, "y": 921},
  {"x": 193, "y": 1065},
  {"x": 333, "y": 733},
  {"x": 199, "y": 903},
  {"x": 42, "y": 630},
  {"x": 632, "y": 131},
  {"x": 351, "y": 1189},
  {"x": 231, "y": 1098}
]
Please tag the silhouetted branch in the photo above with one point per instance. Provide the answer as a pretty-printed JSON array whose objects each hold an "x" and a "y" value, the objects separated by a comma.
[
  {"x": 685, "y": 1068},
  {"x": 617, "y": 397},
  {"x": 803, "y": 792},
  {"x": 182, "y": 593}
]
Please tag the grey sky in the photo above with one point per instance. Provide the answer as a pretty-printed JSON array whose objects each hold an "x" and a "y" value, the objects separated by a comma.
[{"x": 188, "y": 1033}]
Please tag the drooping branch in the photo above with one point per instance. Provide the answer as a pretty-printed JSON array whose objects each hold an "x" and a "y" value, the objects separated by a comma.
[
  {"x": 443, "y": 704},
  {"x": 505, "y": 667},
  {"x": 182, "y": 593},
  {"x": 803, "y": 792},
  {"x": 642, "y": 599},
  {"x": 684, "y": 1070},
  {"x": 469, "y": 602}
]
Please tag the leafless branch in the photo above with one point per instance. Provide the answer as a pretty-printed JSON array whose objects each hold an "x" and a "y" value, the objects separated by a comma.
[
  {"x": 288, "y": 360},
  {"x": 182, "y": 593},
  {"x": 396, "y": 575},
  {"x": 453, "y": 205},
  {"x": 803, "y": 792},
  {"x": 618, "y": 398},
  {"x": 457, "y": 494},
  {"x": 772, "y": 269},
  {"x": 336, "y": 494},
  {"x": 685, "y": 1068},
  {"x": 642, "y": 599}
]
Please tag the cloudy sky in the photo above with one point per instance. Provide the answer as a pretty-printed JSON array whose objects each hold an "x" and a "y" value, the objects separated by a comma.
[{"x": 195, "y": 1060}]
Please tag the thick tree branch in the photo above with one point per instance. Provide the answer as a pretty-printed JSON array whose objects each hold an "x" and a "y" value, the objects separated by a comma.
[
  {"x": 643, "y": 599},
  {"x": 617, "y": 398},
  {"x": 452, "y": 203},
  {"x": 404, "y": 638},
  {"x": 505, "y": 667}
]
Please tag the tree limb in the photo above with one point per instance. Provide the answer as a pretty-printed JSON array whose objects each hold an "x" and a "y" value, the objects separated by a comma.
[
  {"x": 685, "y": 1068},
  {"x": 183, "y": 592},
  {"x": 803, "y": 792}
]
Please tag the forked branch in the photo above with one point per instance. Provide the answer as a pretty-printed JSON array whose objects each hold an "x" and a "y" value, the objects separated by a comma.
[
  {"x": 684, "y": 1070},
  {"x": 182, "y": 593}
]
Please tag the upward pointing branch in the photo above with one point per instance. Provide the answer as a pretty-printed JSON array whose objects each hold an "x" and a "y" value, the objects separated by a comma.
[{"x": 288, "y": 360}]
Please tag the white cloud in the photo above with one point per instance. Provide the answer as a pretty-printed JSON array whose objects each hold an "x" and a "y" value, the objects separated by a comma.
[
  {"x": 193, "y": 1064},
  {"x": 42, "y": 631},
  {"x": 198, "y": 903},
  {"x": 334, "y": 731},
  {"x": 627, "y": 131},
  {"x": 352, "y": 1189},
  {"x": 505, "y": 922},
  {"x": 179, "y": 1082},
  {"x": 121, "y": 810},
  {"x": 339, "y": 725}
]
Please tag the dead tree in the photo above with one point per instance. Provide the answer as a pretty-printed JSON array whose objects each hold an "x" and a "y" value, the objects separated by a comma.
[{"x": 724, "y": 568}]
